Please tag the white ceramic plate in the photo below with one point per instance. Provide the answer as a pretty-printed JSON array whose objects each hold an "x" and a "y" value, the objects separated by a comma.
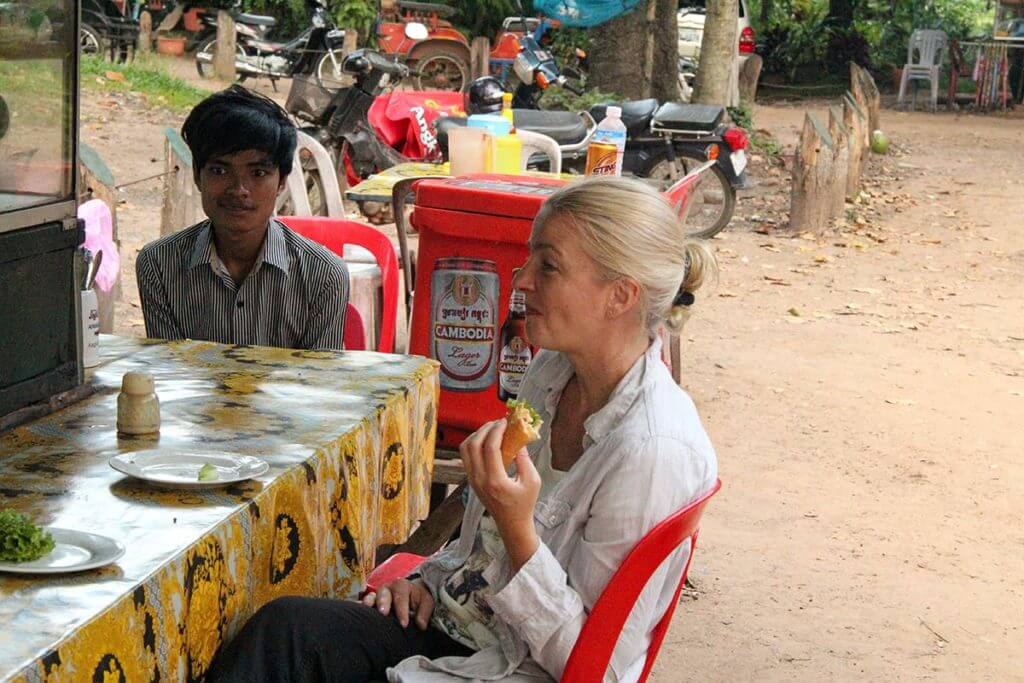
[
  {"x": 73, "y": 551},
  {"x": 181, "y": 470}
]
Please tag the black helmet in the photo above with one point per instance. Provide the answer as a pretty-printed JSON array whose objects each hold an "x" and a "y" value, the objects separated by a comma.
[{"x": 484, "y": 96}]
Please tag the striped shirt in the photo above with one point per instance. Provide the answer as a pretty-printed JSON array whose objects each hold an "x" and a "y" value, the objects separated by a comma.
[{"x": 294, "y": 296}]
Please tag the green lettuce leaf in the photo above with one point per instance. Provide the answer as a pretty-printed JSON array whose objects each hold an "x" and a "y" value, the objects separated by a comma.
[
  {"x": 534, "y": 417},
  {"x": 20, "y": 539}
]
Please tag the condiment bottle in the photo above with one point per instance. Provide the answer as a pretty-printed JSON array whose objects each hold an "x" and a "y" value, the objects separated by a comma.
[{"x": 138, "y": 408}]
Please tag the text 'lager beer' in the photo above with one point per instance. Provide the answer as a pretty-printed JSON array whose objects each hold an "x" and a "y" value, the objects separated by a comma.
[{"x": 515, "y": 354}]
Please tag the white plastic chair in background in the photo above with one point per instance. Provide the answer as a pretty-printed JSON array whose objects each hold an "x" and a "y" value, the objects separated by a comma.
[
  {"x": 538, "y": 143},
  {"x": 924, "y": 65},
  {"x": 295, "y": 186}
]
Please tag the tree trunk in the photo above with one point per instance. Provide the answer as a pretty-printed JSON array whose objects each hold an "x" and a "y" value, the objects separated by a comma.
[
  {"x": 224, "y": 54},
  {"x": 840, "y": 12},
  {"x": 643, "y": 42},
  {"x": 749, "y": 77},
  {"x": 716, "y": 75},
  {"x": 145, "y": 32},
  {"x": 766, "y": 13}
]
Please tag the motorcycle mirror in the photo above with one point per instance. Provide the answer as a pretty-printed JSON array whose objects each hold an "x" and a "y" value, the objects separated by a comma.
[{"x": 416, "y": 31}]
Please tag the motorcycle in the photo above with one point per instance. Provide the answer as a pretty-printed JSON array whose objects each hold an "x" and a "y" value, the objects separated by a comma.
[
  {"x": 664, "y": 141},
  {"x": 687, "y": 78},
  {"x": 317, "y": 50},
  {"x": 339, "y": 119}
]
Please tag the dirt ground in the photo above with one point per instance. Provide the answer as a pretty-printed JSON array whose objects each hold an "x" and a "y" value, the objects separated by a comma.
[{"x": 865, "y": 391}]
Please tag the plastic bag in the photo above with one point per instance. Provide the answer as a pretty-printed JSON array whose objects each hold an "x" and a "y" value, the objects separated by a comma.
[
  {"x": 584, "y": 13},
  {"x": 99, "y": 236}
]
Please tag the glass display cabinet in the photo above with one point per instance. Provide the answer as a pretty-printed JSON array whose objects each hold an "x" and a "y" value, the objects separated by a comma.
[{"x": 40, "y": 345}]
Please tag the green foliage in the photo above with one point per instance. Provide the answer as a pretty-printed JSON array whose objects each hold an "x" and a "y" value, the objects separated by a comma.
[
  {"x": 145, "y": 77},
  {"x": 743, "y": 117},
  {"x": 887, "y": 28},
  {"x": 564, "y": 42},
  {"x": 360, "y": 15},
  {"x": 484, "y": 17},
  {"x": 20, "y": 539},
  {"x": 562, "y": 99},
  {"x": 795, "y": 36},
  {"x": 767, "y": 145},
  {"x": 799, "y": 36}
]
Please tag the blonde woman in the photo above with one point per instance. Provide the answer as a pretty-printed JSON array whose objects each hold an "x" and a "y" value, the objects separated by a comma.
[{"x": 621, "y": 448}]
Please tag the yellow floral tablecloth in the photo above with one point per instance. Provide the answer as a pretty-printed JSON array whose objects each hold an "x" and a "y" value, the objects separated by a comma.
[{"x": 350, "y": 442}]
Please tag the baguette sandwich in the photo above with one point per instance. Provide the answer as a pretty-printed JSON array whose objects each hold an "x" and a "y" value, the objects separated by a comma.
[{"x": 523, "y": 427}]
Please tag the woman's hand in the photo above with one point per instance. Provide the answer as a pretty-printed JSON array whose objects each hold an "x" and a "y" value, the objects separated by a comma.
[
  {"x": 510, "y": 500},
  {"x": 405, "y": 597}
]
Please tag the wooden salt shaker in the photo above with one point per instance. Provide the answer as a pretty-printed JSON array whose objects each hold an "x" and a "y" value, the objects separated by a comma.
[{"x": 138, "y": 408}]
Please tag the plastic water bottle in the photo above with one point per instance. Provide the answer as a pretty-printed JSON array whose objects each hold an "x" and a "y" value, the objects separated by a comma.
[{"x": 611, "y": 131}]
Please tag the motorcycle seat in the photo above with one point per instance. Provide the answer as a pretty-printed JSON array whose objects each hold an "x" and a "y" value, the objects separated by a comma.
[
  {"x": 255, "y": 19},
  {"x": 427, "y": 7},
  {"x": 676, "y": 116},
  {"x": 565, "y": 127},
  {"x": 635, "y": 114},
  {"x": 442, "y": 125}
]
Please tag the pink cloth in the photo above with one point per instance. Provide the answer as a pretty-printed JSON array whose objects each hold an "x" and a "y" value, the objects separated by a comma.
[{"x": 99, "y": 236}]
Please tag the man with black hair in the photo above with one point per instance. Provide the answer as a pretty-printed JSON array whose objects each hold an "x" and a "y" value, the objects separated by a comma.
[{"x": 242, "y": 277}]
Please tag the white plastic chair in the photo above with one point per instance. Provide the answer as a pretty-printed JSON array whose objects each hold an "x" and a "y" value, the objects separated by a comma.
[
  {"x": 924, "y": 65},
  {"x": 295, "y": 186},
  {"x": 534, "y": 143}
]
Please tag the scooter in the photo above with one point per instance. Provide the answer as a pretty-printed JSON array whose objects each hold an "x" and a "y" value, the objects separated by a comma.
[
  {"x": 317, "y": 50},
  {"x": 664, "y": 141}
]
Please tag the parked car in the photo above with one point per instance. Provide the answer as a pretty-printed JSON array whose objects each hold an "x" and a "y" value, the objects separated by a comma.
[{"x": 690, "y": 20}]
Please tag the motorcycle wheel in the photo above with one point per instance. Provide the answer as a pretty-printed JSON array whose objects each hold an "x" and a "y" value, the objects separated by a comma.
[
  {"x": 314, "y": 191},
  {"x": 209, "y": 46},
  {"x": 711, "y": 206},
  {"x": 90, "y": 41},
  {"x": 439, "y": 67},
  {"x": 328, "y": 71}
]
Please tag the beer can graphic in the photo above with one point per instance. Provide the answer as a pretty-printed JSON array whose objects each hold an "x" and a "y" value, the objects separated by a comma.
[
  {"x": 602, "y": 159},
  {"x": 464, "y": 322}
]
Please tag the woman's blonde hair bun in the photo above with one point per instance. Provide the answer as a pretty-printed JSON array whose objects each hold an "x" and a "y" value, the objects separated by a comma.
[{"x": 631, "y": 230}]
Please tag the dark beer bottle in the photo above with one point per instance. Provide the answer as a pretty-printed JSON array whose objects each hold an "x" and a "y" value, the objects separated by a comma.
[{"x": 515, "y": 353}]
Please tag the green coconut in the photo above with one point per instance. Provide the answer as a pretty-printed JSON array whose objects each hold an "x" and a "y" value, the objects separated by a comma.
[{"x": 879, "y": 142}]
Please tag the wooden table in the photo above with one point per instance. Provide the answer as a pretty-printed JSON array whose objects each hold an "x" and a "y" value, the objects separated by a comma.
[{"x": 350, "y": 442}]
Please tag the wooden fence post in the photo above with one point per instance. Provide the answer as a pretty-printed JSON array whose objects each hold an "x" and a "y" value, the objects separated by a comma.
[
  {"x": 855, "y": 122},
  {"x": 479, "y": 57},
  {"x": 182, "y": 204},
  {"x": 840, "y": 160},
  {"x": 224, "y": 54},
  {"x": 866, "y": 94},
  {"x": 750, "y": 74},
  {"x": 98, "y": 183},
  {"x": 812, "y": 174},
  {"x": 145, "y": 32}
]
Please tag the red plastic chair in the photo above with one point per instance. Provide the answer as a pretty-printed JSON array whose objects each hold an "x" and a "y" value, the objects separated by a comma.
[
  {"x": 354, "y": 334},
  {"x": 593, "y": 650},
  {"x": 335, "y": 233}
]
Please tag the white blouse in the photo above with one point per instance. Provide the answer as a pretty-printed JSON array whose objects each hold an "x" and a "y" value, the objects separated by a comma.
[{"x": 646, "y": 455}]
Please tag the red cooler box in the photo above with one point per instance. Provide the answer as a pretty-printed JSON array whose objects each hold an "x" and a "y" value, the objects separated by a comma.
[{"x": 473, "y": 231}]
